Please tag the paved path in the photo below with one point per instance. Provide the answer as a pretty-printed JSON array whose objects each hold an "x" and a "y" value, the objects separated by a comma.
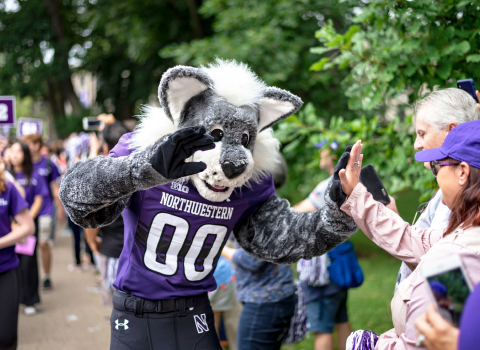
[{"x": 70, "y": 316}]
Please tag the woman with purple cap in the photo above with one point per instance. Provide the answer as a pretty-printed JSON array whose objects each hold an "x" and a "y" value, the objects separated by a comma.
[{"x": 456, "y": 165}]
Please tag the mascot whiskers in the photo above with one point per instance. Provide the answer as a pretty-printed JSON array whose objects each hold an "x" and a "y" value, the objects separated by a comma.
[{"x": 194, "y": 171}]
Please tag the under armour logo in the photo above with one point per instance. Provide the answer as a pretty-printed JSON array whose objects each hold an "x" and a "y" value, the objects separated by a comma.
[
  {"x": 201, "y": 323},
  {"x": 124, "y": 324}
]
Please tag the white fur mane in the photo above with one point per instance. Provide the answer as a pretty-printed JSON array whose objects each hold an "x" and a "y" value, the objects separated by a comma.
[
  {"x": 235, "y": 82},
  {"x": 266, "y": 155},
  {"x": 154, "y": 124}
]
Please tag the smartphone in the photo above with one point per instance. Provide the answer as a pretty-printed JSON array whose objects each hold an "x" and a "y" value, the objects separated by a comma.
[
  {"x": 469, "y": 86},
  {"x": 370, "y": 179},
  {"x": 448, "y": 286},
  {"x": 91, "y": 123}
]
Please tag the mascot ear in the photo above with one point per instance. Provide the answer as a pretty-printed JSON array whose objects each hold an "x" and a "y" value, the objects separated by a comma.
[
  {"x": 275, "y": 105},
  {"x": 177, "y": 86}
]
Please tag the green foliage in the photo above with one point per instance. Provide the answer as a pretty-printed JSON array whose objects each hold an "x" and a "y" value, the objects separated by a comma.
[
  {"x": 393, "y": 49},
  {"x": 397, "y": 46},
  {"x": 274, "y": 38}
]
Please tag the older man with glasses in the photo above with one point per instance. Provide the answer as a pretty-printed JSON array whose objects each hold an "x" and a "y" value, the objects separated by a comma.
[{"x": 435, "y": 116}]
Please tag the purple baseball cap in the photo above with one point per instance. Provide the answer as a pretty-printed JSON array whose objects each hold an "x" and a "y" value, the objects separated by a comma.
[{"x": 462, "y": 144}]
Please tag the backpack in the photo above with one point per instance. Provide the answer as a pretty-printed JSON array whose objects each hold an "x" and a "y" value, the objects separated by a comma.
[{"x": 344, "y": 269}]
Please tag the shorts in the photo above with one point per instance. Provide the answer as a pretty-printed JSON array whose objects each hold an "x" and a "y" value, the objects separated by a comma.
[
  {"x": 45, "y": 228},
  {"x": 324, "y": 313},
  {"x": 223, "y": 297}
]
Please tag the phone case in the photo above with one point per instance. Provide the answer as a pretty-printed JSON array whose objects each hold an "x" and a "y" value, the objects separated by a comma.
[
  {"x": 468, "y": 85},
  {"x": 370, "y": 179},
  {"x": 27, "y": 248}
]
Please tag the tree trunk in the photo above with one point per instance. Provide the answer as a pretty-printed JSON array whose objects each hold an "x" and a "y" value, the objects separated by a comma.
[
  {"x": 124, "y": 109},
  {"x": 62, "y": 48},
  {"x": 195, "y": 19},
  {"x": 54, "y": 98}
]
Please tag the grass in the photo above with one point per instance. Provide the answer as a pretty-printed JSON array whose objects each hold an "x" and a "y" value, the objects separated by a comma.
[{"x": 369, "y": 305}]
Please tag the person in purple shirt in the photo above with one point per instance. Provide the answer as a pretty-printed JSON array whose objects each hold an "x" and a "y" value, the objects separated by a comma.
[
  {"x": 12, "y": 205},
  {"x": 441, "y": 335},
  {"x": 193, "y": 172},
  {"x": 21, "y": 167},
  {"x": 49, "y": 171}
]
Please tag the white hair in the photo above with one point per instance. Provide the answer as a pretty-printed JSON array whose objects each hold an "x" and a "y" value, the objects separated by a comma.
[{"x": 446, "y": 106}]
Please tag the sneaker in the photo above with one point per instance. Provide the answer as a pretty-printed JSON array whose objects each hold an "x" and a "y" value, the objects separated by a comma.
[
  {"x": 47, "y": 284},
  {"x": 74, "y": 268},
  {"x": 30, "y": 311}
]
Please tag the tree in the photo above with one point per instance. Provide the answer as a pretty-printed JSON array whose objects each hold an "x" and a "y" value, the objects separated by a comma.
[
  {"x": 274, "y": 39},
  {"x": 123, "y": 45},
  {"x": 34, "y": 53},
  {"x": 394, "y": 49}
]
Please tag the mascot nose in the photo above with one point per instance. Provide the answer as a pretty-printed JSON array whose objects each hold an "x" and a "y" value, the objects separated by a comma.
[{"x": 231, "y": 171}]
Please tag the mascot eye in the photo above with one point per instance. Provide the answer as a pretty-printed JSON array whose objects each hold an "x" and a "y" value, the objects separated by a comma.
[
  {"x": 217, "y": 134},
  {"x": 244, "y": 140}
]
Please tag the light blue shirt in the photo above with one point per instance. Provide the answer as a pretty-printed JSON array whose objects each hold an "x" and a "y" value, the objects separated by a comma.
[{"x": 437, "y": 214}]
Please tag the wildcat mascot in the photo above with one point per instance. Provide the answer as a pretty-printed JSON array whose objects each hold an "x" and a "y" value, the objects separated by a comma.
[{"x": 194, "y": 171}]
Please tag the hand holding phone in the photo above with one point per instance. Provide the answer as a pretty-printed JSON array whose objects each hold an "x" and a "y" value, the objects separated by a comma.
[
  {"x": 92, "y": 124},
  {"x": 448, "y": 286},
  {"x": 469, "y": 86}
]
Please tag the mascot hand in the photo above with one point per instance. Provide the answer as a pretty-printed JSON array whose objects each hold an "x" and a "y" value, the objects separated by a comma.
[
  {"x": 169, "y": 160},
  {"x": 336, "y": 191}
]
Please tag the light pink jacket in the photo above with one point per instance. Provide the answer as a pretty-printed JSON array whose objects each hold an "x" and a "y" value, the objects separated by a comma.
[{"x": 412, "y": 245}]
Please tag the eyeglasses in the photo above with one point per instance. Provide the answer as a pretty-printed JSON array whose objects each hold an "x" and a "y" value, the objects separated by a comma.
[
  {"x": 433, "y": 165},
  {"x": 421, "y": 208}
]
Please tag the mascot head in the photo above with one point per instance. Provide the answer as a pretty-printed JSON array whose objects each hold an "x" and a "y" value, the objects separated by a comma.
[{"x": 236, "y": 108}]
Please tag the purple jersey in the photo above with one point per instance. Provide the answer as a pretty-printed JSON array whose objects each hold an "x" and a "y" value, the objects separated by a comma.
[
  {"x": 36, "y": 186},
  {"x": 174, "y": 236},
  {"x": 49, "y": 171},
  {"x": 11, "y": 203}
]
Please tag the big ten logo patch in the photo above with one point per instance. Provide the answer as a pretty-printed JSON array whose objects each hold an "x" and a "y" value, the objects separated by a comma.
[
  {"x": 201, "y": 323},
  {"x": 3, "y": 202},
  {"x": 179, "y": 187}
]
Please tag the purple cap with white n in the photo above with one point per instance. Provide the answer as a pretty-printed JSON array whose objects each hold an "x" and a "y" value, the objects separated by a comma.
[{"x": 462, "y": 144}]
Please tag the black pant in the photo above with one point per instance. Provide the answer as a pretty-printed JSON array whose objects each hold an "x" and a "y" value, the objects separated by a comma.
[
  {"x": 77, "y": 235},
  {"x": 9, "y": 301},
  {"x": 29, "y": 273},
  {"x": 165, "y": 331}
]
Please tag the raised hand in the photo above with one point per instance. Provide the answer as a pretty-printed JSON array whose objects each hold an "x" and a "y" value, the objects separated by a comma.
[
  {"x": 169, "y": 160},
  {"x": 350, "y": 176}
]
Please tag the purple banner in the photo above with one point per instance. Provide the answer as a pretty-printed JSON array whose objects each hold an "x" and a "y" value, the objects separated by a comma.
[
  {"x": 7, "y": 110},
  {"x": 27, "y": 126}
]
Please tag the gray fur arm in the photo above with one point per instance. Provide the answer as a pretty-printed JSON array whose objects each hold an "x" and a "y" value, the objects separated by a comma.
[
  {"x": 279, "y": 234},
  {"x": 94, "y": 192}
]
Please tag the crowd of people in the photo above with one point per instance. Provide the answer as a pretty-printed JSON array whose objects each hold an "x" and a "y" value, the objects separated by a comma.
[{"x": 255, "y": 301}]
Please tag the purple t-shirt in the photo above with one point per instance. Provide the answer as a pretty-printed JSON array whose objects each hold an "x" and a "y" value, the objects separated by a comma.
[
  {"x": 174, "y": 236},
  {"x": 470, "y": 321},
  {"x": 36, "y": 186},
  {"x": 11, "y": 203},
  {"x": 49, "y": 171}
]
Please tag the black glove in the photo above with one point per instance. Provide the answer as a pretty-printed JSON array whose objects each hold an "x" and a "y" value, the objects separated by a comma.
[
  {"x": 336, "y": 192},
  {"x": 169, "y": 160}
]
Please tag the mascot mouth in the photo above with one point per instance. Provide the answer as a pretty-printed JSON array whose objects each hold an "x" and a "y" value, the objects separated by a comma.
[{"x": 216, "y": 188}]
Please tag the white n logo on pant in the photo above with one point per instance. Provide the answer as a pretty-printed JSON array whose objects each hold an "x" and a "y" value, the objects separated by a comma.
[{"x": 201, "y": 323}]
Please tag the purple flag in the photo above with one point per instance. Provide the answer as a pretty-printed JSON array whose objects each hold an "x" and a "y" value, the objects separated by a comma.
[
  {"x": 7, "y": 110},
  {"x": 27, "y": 126}
]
